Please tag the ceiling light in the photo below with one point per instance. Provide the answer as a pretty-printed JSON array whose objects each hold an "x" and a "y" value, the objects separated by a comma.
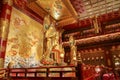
[
  {"x": 62, "y": 55},
  {"x": 56, "y": 16}
]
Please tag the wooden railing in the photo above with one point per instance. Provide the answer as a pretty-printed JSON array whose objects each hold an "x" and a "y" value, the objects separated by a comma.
[
  {"x": 78, "y": 72},
  {"x": 62, "y": 72}
]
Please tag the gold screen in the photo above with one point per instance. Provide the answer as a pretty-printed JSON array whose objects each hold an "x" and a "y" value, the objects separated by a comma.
[{"x": 25, "y": 41}]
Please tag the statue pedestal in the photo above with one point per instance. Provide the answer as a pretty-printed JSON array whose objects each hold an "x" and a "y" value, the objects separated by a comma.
[{"x": 48, "y": 61}]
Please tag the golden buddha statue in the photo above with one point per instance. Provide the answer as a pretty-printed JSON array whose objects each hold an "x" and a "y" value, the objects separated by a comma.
[{"x": 50, "y": 36}]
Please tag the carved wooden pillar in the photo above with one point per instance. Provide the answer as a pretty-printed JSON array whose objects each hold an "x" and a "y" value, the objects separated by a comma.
[{"x": 4, "y": 28}]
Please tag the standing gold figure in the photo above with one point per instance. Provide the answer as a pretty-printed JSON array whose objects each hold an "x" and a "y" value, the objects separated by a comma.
[
  {"x": 73, "y": 50},
  {"x": 50, "y": 36}
]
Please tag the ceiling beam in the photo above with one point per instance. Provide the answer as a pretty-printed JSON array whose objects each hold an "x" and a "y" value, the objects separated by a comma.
[
  {"x": 65, "y": 22},
  {"x": 45, "y": 11},
  {"x": 70, "y": 8}
]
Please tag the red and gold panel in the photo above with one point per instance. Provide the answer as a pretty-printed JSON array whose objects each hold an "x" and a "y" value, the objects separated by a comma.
[
  {"x": 5, "y": 13},
  {"x": 6, "y": 10}
]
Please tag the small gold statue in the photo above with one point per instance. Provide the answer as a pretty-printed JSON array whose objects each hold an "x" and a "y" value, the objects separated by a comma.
[{"x": 73, "y": 49}]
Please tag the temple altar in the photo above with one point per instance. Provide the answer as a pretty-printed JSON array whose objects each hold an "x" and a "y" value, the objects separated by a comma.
[{"x": 59, "y": 39}]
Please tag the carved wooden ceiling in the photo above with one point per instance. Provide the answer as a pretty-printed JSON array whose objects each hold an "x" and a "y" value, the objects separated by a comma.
[
  {"x": 55, "y": 8},
  {"x": 99, "y": 7},
  {"x": 68, "y": 13},
  {"x": 61, "y": 11}
]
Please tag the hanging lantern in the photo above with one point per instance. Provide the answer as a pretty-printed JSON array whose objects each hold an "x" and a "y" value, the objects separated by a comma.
[{"x": 62, "y": 55}]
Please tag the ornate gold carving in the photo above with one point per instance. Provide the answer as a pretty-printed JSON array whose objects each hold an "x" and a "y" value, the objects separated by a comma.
[{"x": 95, "y": 23}]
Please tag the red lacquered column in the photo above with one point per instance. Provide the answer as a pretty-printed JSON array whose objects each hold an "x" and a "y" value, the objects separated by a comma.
[{"x": 4, "y": 28}]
